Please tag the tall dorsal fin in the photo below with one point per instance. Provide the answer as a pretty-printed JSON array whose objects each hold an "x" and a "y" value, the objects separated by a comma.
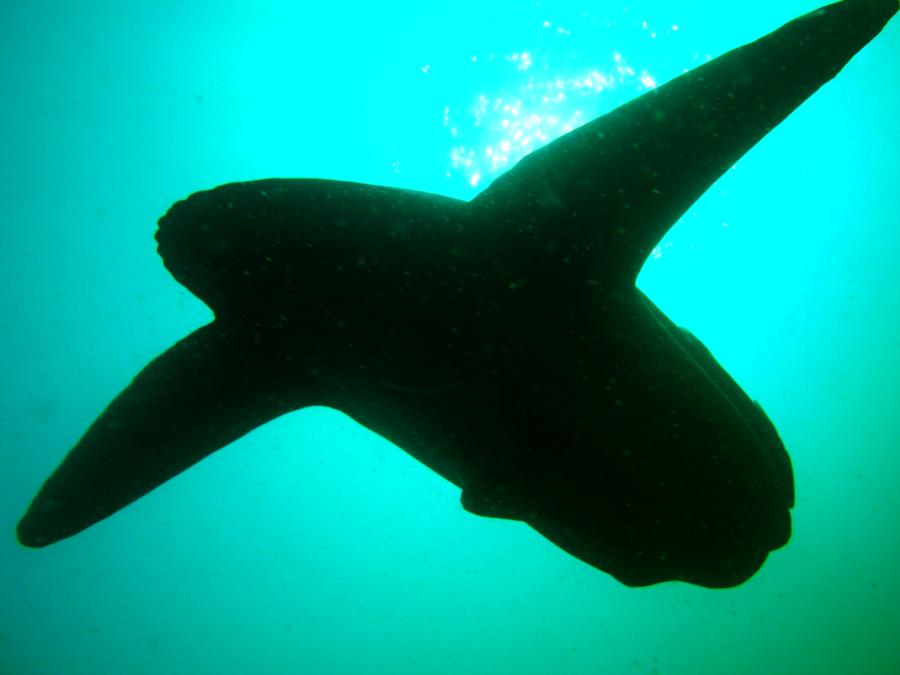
[{"x": 618, "y": 183}]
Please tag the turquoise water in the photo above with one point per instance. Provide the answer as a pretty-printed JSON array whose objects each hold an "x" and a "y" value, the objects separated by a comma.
[{"x": 313, "y": 546}]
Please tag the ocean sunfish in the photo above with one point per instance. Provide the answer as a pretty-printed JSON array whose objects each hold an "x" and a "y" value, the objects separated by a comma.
[{"x": 500, "y": 341}]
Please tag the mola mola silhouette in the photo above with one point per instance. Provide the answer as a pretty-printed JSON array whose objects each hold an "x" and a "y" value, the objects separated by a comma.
[{"x": 502, "y": 341}]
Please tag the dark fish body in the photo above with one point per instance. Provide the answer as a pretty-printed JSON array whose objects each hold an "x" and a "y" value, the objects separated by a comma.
[{"x": 502, "y": 341}]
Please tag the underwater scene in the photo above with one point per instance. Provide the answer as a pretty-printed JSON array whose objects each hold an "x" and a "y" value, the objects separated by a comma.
[{"x": 410, "y": 414}]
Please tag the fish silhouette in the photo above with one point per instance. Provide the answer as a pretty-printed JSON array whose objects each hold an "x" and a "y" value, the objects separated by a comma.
[{"x": 501, "y": 341}]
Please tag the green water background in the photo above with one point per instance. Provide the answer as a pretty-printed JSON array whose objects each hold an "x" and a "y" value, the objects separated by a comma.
[{"x": 311, "y": 545}]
